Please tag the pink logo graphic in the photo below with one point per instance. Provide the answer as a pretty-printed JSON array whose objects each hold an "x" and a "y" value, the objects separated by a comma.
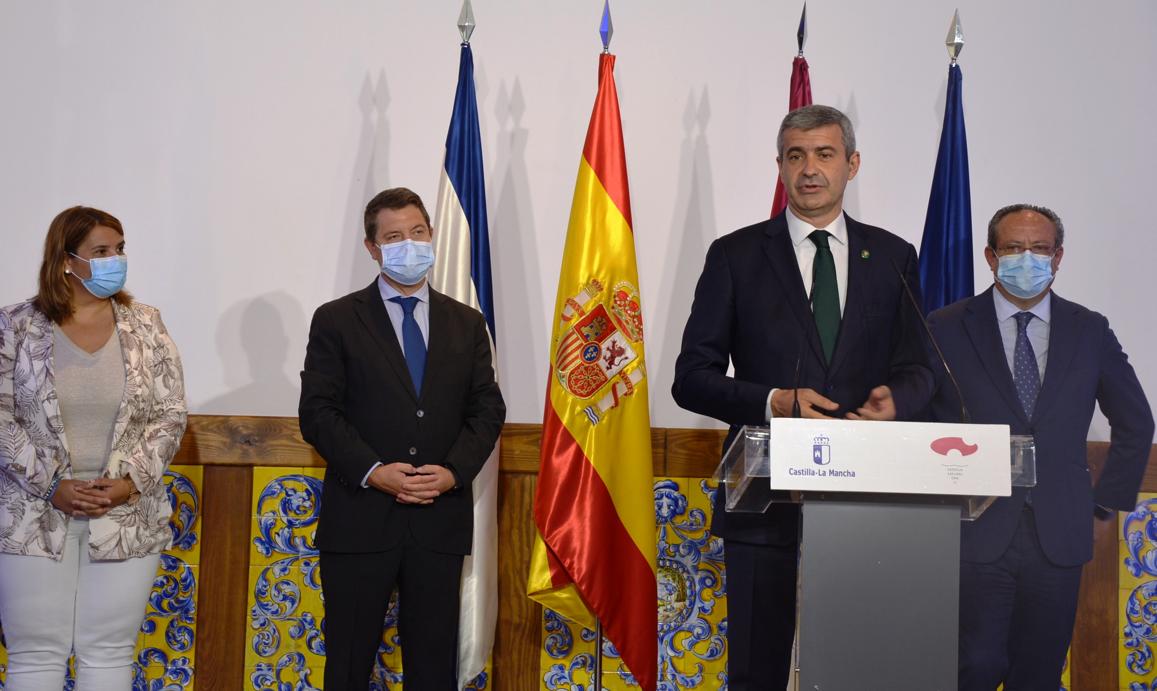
[{"x": 945, "y": 444}]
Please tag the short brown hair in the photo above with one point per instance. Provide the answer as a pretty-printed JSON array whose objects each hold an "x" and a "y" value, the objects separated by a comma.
[
  {"x": 65, "y": 233},
  {"x": 393, "y": 198}
]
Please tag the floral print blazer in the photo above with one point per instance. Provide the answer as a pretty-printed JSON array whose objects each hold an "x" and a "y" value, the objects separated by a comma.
[{"x": 34, "y": 450}]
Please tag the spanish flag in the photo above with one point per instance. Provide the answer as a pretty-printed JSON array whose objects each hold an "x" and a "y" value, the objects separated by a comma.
[{"x": 594, "y": 508}]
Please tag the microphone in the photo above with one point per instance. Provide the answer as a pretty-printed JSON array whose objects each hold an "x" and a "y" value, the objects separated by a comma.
[
  {"x": 795, "y": 412},
  {"x": 964, "y": 415}
]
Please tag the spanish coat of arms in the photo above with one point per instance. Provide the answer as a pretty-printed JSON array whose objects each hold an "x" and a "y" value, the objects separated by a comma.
[{"x": 599, "y": 340}]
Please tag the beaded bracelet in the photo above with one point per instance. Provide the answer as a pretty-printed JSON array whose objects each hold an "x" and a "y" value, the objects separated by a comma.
[{"x": 52, "y": 488}]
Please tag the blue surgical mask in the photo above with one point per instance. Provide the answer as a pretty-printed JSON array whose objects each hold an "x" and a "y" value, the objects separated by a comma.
[
  {"x": 408, "y": 261},
  {"x": 1025, "y": 274},
  {"x": 108, "y": 275}
]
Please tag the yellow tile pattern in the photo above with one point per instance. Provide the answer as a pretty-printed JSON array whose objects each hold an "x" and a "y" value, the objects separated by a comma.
[
  {"x": 286, "y": 610},
  {"x": 690, "y": 601},
  {"x": 284, "y": 644},
  {"x": 1137, "y": 596}
]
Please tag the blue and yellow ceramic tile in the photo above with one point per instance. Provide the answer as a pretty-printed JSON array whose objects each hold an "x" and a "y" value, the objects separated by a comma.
[
  {"x": 285, "y": 643},
  {"x": 691, "y": 604},
  {"x": 1138, "y": 595},
  {"x": 165, "y": 647},
  {"x": 691, "y": 643},
  {"x": 567, "y": 655}
]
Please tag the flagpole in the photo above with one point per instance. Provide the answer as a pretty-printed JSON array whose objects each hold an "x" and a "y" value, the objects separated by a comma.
[
  {"x": 598, "y": 680},
  {"x": 799, "y": 94},
  {"x": 606, "y": 30}
]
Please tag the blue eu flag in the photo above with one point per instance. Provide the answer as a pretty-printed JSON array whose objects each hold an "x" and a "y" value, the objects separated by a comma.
[{"x": 946, "y": 248}]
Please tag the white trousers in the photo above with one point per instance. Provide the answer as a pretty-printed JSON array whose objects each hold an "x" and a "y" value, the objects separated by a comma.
[{"x": 49, "y": 609}]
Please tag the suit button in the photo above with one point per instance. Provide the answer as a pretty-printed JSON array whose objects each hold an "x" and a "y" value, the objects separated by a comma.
[
  {"x": 413, "y": 451},
  {"x": 421, "y": 413}
]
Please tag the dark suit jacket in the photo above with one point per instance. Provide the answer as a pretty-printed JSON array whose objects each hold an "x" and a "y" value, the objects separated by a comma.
[
  {"x": 1085, "y": 366},
  {"x": 751, "y": 308},
  {"x": 358, "y": 407}
]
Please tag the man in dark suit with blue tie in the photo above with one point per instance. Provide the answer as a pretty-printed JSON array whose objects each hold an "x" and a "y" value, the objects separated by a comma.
[
  {"x": 398, "y": 396},
  {"x": 806, "y": 306},
  {"x": 1027, "y": 358}
]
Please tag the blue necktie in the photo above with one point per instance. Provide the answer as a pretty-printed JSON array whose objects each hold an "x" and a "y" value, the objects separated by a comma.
[
  {"x": 412, "y": 342},
  {"x": 1025, "y": 374}
]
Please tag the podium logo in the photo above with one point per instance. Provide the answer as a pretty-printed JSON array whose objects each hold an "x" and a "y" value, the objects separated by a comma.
[
  {"x": 945, "y": 444},
  {"x": 821, "y": 450}
]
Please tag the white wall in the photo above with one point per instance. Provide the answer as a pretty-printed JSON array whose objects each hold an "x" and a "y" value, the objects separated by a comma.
[{"x": 239, "y": 141}]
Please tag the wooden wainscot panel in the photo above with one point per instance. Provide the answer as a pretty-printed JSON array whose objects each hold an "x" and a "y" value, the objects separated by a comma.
[
  {"x": 223, "y": 597},
  {"x": 693, "y": 452},
  {"x": 245, "y": 441}
]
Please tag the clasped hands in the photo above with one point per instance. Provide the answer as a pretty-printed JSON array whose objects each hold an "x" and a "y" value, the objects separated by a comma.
[
  {"x": 879, "y": 406},
  {"x": 91, "y": 498},
  {"x": 410, "y": 484}
]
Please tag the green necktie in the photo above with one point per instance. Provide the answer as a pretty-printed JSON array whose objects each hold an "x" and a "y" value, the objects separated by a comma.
[{"x": 825, "y": 294}]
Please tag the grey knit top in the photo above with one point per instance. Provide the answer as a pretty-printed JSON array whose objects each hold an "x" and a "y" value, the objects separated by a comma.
[{"x": 89, "y": 387}]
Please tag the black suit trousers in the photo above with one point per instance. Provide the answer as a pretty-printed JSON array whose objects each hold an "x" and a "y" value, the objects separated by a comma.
[
  {"x": 760, "y": 632},
  {"x": 357, "y": 589}
]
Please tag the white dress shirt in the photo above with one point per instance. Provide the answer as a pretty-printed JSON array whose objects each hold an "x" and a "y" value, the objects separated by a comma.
[{"x": 805, "y": 251}]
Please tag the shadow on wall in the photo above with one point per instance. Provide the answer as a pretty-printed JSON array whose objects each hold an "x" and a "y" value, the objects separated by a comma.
[
  {"x": 355, "y": 269},
  {"x": 260, "y": 342},
  {"x": 692, "y": 230},
  {"x": 514, "y": 252},
  {"x": 852, "y": 191}
]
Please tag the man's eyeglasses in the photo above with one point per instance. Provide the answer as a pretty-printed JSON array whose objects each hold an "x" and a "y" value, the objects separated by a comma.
[{"x": 1041, "y": 249}]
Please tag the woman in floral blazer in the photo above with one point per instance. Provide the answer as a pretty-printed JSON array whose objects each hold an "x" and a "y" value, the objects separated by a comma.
[{"x": 92, "y": 409}]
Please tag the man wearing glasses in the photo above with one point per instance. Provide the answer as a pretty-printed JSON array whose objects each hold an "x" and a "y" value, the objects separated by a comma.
[{"x": 1030, "y": 359}]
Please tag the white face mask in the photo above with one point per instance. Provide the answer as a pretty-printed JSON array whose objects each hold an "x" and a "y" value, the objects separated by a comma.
[
  {"x": 1025, "y": 274},
  {"x": 108, "y": 274},
  {"x": 408, "y": 261}
]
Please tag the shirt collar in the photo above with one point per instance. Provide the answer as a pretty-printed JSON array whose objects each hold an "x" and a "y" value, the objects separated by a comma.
[
  {"x": 801, "y": 229},
  {"x": 1042, "y": 310},
  {"x": 388, "y": 291}
]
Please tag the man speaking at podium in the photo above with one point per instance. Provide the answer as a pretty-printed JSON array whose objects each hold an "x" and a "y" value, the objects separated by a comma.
[
  {"x": 1027, "y": 358},
  {"x": 809, "y": 308}
]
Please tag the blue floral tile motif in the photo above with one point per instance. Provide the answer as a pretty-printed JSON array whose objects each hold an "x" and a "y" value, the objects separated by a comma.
[
  {"x": 290, "y": 672},
  {"x": 287, "y": 512},
  {"x": 186, "y": 504},
  {"x": 691, "y": 635},
  {"x": 568, "y": 675},
  {"x": 691, "y": 582},
  {"x": 177, "y": 674},
  {"x": 173, "y": 602},
  {"x": 1139, "y": 532},
  {"x": 287, "y": 616}
]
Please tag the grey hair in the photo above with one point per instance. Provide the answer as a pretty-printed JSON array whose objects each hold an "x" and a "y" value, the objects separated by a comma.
[
  {"x": 1014, "y": 208},
  {"x": 815, "y": 116}
]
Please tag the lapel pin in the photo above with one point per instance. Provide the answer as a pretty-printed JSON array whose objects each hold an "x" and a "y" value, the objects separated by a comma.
[{"x": 865, "y": 254}]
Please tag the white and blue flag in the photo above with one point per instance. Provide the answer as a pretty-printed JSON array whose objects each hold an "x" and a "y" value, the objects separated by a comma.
[{"x": 462, "y": 271}]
